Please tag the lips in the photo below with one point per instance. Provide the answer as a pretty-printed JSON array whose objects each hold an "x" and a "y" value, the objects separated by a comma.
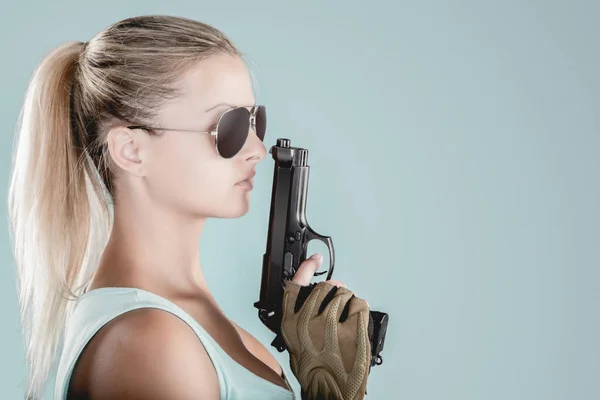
[
  {"x": 247, "y": 184},
  {"x": 249, "y": 177}
]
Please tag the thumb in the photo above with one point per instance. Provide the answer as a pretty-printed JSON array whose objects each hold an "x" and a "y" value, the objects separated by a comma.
[{"x": 307, "y": 269}]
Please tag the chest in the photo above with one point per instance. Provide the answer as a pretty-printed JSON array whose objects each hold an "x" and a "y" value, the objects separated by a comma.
[{"x": 239, "y": 344}]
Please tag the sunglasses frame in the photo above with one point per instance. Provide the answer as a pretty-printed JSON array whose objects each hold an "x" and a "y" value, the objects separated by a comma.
[{"x": 252, "y": 115}]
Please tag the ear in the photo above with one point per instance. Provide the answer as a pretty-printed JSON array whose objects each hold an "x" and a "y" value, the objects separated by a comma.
[{"x": 126, "y": 148}]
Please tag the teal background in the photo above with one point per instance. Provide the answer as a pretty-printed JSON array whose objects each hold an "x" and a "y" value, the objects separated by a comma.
[{"x": 454, "y": 161}]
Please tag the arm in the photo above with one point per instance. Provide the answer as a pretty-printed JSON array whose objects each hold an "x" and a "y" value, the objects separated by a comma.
[{"x": 148, "y": 354}]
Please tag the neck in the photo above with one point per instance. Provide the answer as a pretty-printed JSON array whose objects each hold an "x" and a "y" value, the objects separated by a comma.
[{"x": 153, "y": 247}]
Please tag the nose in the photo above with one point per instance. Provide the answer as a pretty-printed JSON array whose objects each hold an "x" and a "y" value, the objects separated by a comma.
[{"x": 254, "y": 148}]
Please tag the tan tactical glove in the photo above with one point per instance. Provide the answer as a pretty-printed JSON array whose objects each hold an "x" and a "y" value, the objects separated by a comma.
[{"x": 326, "y": 329}]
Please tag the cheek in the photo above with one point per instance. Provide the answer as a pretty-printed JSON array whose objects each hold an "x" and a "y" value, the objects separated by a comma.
[{"x": 192, "y": 176}]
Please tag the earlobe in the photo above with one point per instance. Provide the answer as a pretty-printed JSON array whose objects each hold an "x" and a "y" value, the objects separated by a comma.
[{"x": 124, "y": 148}]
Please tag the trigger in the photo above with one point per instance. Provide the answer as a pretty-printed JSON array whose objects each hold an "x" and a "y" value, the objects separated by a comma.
[
  {"x": 288, "y": 265},
  {"x": 320, "y": 273}
]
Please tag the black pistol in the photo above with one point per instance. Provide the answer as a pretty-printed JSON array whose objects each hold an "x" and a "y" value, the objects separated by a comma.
[{"x": 287, "y": 242}]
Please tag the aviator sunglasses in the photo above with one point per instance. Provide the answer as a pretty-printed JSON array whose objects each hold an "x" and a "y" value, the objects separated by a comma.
[{"x": 232, "y": 129}]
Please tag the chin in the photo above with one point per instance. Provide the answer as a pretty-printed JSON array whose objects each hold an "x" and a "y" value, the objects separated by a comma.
[
  {"x": 230, "y": 205},
  {"x": 236, "y": 213},
  {"x": 235, "y": 209}
]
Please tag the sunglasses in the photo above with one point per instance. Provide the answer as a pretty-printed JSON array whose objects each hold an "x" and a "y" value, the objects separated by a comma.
[{"x": 232, "y": 129}]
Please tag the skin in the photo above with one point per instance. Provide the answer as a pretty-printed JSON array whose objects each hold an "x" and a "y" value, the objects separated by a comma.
[{"x": 167, "y": 186}]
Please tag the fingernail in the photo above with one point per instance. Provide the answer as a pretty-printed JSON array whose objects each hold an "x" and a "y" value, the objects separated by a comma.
[{"x": 317, "y": 256}]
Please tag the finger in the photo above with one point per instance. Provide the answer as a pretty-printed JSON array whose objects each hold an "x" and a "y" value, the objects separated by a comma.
[
  {"x": 336, "y": 283},
  {"x": 342, "y": 297},
  {"x": 307, "y": 270},
  {"x": 358, "y": 305},
  {"x": 336, "y": 296},
  {"x": 320, "y": 296},
  {"x": 332, "y": 314}
]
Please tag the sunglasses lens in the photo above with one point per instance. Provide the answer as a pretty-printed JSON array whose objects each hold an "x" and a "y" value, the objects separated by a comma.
[
  {"x": 233, "y": 131},
  {"x": 261, "y": 122}
]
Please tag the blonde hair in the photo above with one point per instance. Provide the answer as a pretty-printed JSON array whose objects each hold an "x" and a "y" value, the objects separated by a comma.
[{"x": 61, "y": 188}]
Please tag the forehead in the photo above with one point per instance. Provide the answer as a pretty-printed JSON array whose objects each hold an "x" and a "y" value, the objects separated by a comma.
[{"x": 220, "y": 78}]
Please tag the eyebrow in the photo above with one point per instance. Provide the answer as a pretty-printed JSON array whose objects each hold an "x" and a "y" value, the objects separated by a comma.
[{"x": 219, "y": 105}]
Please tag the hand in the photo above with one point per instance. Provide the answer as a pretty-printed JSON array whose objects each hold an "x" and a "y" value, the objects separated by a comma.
[
  {"x": 326, "y": 329},
  {"x": 307, "y": 270}
]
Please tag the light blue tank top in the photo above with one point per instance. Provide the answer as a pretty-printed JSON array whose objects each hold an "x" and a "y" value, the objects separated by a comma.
[{"x": 97, "y": 307}]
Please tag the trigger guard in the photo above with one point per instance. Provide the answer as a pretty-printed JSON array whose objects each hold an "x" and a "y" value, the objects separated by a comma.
[{"x": 312, "y": 235}]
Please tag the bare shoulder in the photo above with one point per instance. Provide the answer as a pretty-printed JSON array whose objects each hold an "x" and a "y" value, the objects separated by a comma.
[{"x": 146, "y": 354}]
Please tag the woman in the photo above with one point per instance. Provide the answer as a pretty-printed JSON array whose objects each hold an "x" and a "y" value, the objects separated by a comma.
[{"x": 127, "y": 144}]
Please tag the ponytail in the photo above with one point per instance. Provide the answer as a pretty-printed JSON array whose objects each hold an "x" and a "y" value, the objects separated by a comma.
[{"x": 59, "y": 218}]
